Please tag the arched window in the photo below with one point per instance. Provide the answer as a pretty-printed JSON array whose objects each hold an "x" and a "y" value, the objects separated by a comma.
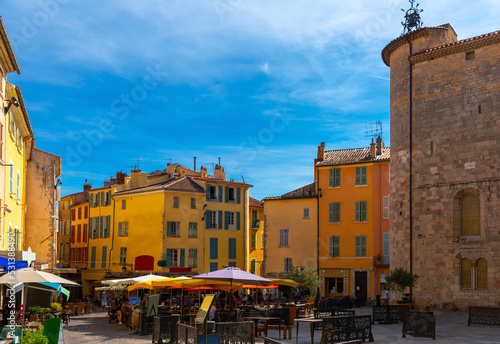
[
  {"x": 469, "y": 215},
  {"x": 253, "y": 265},
  {"x": 465, "y": 274},
  {"x": 482, "y": 274}
]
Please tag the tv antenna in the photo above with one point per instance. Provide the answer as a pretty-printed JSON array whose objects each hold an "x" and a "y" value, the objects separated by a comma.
[
  {"x": 374, "y": 129},
  {"x": 136, "y": 166}
]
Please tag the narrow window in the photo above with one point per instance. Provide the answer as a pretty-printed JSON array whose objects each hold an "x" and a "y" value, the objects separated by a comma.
[
  {"x": 334, "y": 246},
  {"x": 334, "y": 212},
  {"x": 123, "y": 255},
  {"x": 288, "y": 264},
  {"x": 253, "y": 240},
  {"x": 361, "y": 176},
  {"x": 193, "y": 257},
  {"x": 465, "y": 274},
  {"x": 361, "y": 246},
  {"x": 386, "y": 207},
  {"x": 124, "y": 204},
  {"x": 482, "y": 274},
  {"x": 193, "y": 203},
  {"x": 334, "y": 181},
  {"x": 193, "y": 230},
  {"x": 306, "y": 213},
  {"x": 470, "y": 215},
  {"x": 231, "y": 248},
  {"x": 283, "y": 237},
  {"x": 361, "y": 211},
  {"x": 253, "y": 266},
  {"x": 176, "y": 202}
]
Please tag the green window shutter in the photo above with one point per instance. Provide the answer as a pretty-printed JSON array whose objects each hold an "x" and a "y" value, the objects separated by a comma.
[
  {"x": 214, "y": 248},
  {"x": 178, "y": 224},
  {"x": 357, "y": 245},
  {"x": 238, "y": 220},
  {"x": 238, "y": 195},
  {"x": 208, "y": 192},
  {"x": 364, "y": 177},
  {"x": 226, "y": 198},
  {"x": 363, "y": 210},
  {"x": 253, "y": 240},
  {"x": 90, "y": 227},
  {"x": 220, "y": 194},
  {"x": 109, "y": 226},
  {"x": 97, "y": 199},
  {"x": 330, "y": 247},
  {"x": 363, "y": 245},
  {"x": 92, "y": 257},
  {"x": 207, "y": 219},
  {"x": 330, "y": 212},
  {"x": 336, "y": 212},
  {"x": 181, "y": 263},
  {"x": 357, "y": 211},
  {"x": 102, "y": 198},
  {"x": 169, "y": 257},
  {"x": 220, "y": 218},
  {"x": 226, "y": 220},
  {"x": 109, "y": 197},
  {"x": 332, "y": 178},
  {"x": 169, "y": 228},
  {"x": 91, "y": 200},
  {"x": 104, "y": 258},
  {"x": 336, "y": 246},
  {"x": 337, "y": 177},
  {"x": 214, "y": 266},
  {"x": 119, "y": 229},
  {"x": 101, "y": 219}
]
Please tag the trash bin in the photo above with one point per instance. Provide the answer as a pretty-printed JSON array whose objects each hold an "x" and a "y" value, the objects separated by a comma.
[{"x": 378, "y": 300}]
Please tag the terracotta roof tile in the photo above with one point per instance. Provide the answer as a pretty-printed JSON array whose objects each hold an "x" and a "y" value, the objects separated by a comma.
[
  {"x": 183, "y": 184},
  {"x": 219, "y": 181},
  {"x": 353, "y": 156},
  {"x": 308, "y": 191},
  {"x": 255, "y": 202}
]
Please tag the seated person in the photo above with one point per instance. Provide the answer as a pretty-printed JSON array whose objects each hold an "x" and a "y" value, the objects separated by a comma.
[{"x": 277, "y": 305}]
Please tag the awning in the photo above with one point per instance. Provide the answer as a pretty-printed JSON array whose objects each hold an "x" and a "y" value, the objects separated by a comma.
[
  {"x": 10, "y": 264},
  {"x": 60, "y": 289}
]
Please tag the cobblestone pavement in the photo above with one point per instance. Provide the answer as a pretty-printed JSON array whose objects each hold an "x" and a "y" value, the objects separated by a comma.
[{"x": 451, "y": 328}]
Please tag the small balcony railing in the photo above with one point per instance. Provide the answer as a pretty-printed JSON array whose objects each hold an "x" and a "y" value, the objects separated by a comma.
[{"x": 381, "y": 261}]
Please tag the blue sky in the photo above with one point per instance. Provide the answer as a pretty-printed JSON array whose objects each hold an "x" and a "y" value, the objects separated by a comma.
[{"x": 258, "y": 83}]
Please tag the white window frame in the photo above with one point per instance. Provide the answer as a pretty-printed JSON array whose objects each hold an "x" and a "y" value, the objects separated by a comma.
[
  {"x": 123, "y": 255},
  {"x": 214, "y": 220},
  {"x": 192, "y": 257},
  {"x": 174, "y": 258},
  {"x": 231, "y": 220},
  {"x": 175, "y": 229}
]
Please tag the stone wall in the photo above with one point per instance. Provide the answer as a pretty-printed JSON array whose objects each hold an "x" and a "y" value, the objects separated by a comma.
[{"x": 456, "y": 149}]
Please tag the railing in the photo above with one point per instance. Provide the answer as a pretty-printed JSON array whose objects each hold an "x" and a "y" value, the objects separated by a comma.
[{"x": 381, "y": 261}]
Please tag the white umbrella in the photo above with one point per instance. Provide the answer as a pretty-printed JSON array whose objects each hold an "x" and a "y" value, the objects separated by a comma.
[
  {"x": 30, "y": 275},
  {"x": 133, "y": 280}
]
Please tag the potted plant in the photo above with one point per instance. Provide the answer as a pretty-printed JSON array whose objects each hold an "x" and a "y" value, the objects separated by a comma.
[
  {"x": 400, "y": 280},
  {"x": 310, "y": 299},
  {"x": 56, "y": 307}
]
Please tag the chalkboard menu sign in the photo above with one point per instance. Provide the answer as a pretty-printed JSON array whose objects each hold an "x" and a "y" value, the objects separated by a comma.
[{"x": 204, "y": 308}]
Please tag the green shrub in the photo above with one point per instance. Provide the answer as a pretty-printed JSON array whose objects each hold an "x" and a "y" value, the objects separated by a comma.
[{"x": 34, "y": 337}]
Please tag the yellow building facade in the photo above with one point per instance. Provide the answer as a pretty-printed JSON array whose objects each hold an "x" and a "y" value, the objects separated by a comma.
[
  {"x": 18, "y": 149},
  {"x": 353, "y": 220},
  {"x": 255, "y": 257},
  {"x": 290, "y": 231}
]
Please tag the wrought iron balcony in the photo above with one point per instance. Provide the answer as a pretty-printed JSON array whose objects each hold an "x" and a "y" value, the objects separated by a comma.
[{"x": 381, "y": 261}]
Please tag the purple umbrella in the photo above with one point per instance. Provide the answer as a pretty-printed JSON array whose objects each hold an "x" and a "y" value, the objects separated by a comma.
[{"x": 232, "y": 274}]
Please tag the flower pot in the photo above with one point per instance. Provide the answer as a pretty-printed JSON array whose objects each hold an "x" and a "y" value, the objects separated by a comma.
[{"x": 309, "y": 300}]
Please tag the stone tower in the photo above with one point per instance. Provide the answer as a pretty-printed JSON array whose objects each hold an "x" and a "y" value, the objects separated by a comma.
[{"x": 445, "y": 165}]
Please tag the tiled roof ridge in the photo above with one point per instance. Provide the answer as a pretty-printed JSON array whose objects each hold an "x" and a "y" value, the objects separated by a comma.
[
  {"x": 255, "y": 201},
  {"x": 290, "y": 194},
  {"x": 454, "y": 47},
  {"x": 221, "y": 181}
]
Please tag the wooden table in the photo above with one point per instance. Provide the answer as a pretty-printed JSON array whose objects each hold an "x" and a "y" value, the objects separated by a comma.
[
  {"x": 266, "y": 321},
  {"x": 311, "y": 322}
]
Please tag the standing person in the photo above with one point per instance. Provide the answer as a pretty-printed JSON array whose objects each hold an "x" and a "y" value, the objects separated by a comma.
[
  {"x": 104, "y": 299},
  {"x": 213, "y": 309},
  {"x": 387, "y": 296}
]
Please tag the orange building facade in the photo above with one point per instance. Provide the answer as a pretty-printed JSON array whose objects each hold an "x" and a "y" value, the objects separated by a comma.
[{"x": 353, "y": 185}]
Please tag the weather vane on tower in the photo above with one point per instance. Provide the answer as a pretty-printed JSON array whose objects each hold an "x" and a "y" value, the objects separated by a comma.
[{"x": 412, "y": 18}]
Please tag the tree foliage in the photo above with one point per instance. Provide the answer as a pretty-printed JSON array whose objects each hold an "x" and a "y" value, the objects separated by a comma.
[
  {"x": 400, "y": 279},
  {"x": 307, "y": 278}
]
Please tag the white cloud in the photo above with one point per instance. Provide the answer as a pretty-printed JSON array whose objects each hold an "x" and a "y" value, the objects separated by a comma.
[{"x": 265, "y": 68}]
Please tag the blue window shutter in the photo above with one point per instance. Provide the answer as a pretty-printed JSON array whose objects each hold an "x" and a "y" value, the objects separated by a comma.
[
  {"x": 178, "y": 224},
  {"x": 169, "y": 228},
  {"x": 97, "y": 199},
  {"x": 220, "y": 219},
  {"x": 357, "y": 211},
  {"x": 214, "y": 242},
  {"x": 220, "y": 194},
  {"x": 232, "y": 248},
  {"x": 226, "y": 220},
  {"x": 101, "y": 226},
  {"x": 181, "y": 263},
  {"x": 238, "y": 220},
  {"x": 226, "y": 199},
  {"x": 169, "y": 254},
  {"x": 109, "y": 197},
  {"x": 238, "y": 195},
  {"x": 207, "y": 219},
  {"x": 208, "y": 192},
  {"x": 119, "y": 229}
]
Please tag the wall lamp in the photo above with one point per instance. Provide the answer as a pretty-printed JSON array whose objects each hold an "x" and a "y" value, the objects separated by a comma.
[
  {"x": 58, "y": 182},
  {"x": 6, "y": 209},
  {"x": 12, "y": 101},
  {"x": 319, "y": 192}
]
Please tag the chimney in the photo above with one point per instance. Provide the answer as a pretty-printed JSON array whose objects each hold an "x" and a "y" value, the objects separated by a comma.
[
  {"x": 194, "y": 164},
  {"x": 120, "y": 177},
  {"x": 86, "y": 186},
  {"x": 219, "y": 173},
  {"x": 203, "y": 171},
  {"x": 373, "y": 151},
  {"x": 321, "y": 152},
  {"x": 380, "y": 145}
]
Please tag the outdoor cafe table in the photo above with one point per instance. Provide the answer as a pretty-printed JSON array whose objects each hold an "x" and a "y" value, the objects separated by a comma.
[
  {"x": 311, "y": 322},
  {"x": 265, "y": 320}
]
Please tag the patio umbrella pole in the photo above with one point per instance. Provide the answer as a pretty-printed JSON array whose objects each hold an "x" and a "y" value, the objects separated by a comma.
[{"x": 25, "y": 300}]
